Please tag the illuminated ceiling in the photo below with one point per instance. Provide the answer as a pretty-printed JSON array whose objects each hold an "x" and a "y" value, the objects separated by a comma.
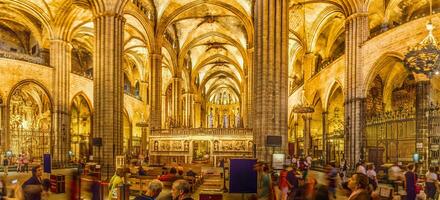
[{"x": 206, "y": 42}]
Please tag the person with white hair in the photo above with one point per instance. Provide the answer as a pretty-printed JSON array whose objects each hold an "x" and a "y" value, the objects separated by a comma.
[
  {"x": 181, "y": 190},
  {"x": 153, "y": 190}
]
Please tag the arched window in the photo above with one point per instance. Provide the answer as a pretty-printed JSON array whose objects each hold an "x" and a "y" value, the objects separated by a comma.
[
  {"x": 127, "y": 84},
  {"x": 136, "y": 89}
]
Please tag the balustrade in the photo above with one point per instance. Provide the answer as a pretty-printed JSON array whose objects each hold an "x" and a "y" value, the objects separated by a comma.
[
  {"x": 41, "y": 60},
  {"x": 203, "y": 131}
]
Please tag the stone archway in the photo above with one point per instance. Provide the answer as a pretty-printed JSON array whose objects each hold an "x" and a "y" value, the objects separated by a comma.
[
  {"x": 80, "y": 128},
  {"x": 30, "y": 120}
]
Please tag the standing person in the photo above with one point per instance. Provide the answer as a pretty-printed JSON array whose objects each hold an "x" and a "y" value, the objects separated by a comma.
[
  {"x": 310, "y": 188},
  {"x": 372, "y": 177},
  {"x": 25, "y": 163},
  {"x": 19, "y": 163},
  {"x": 294, "y": 161},
  {"x": 283, "y": 183},
  {"x": 33, "y": 187},
  {"x": 265, "y": 184},
  {"x": 304, "y": 167},
  {"x": 74, "y": 186},
  {"x": 430, "y": 185},
  {"x": 309, "y": 160},
  {"x": 153, "y": 190},
  {"x": 410, "y": 183},
  {"x": 331, "y": 176},
  {"x": 360, "y": 168},
  {"x": 358, "y": 184},
  {"x": 6, "y": 165},
  {"x": 114, "y": 183},
  {"x": 95, "y": 188},
  {"x": 293, "y": 182},
  {"x": 141, "y": 159},
  {"x": 394, "y": 174},
  {"x": 181, "y": 190},
  {"x": 343, "y": 170}
]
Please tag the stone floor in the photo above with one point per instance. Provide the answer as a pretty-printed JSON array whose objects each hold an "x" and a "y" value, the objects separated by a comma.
[{"x": 21, "y": 177}]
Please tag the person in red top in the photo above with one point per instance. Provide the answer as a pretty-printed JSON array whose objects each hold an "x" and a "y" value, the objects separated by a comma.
[
  {"x": 283, "y": 183},
  {"x": 171, "y": 176}
]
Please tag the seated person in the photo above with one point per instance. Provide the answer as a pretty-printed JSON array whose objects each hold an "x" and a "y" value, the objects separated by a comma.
[
  {"x": 190, "y": 172},
  {"x": 171, "y": 176},
  {"x": 153, "y": 190},
  {"x": 180, "y": 174},
  {"x": 142, "y": 171},
  {"x": 181, "y": 190}
]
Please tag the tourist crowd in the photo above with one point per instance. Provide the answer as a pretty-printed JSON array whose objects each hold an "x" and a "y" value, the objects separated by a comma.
[{"x": 295, "y": 182}]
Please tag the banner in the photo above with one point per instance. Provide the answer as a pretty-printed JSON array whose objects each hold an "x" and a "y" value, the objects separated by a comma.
[{"x": 47, "y": 163}]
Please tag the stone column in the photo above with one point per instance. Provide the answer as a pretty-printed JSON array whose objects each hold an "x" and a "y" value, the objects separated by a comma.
[
  {"x": 156, "y": 91},
  {"x": 176, "y": 100},
  {"x": 270, "y": 73},
  {"x": 60, "y": 60},
  {"x": 189, "y": 110},
  {"x": 186, "y": 110},
  {"x": 307, "y": 134},
  {"x": 108, "y": 88},
  {"x": 324, "y": 137},
  {"x": 144, "y": 137},
  {"x": 164, "y": 111},
  {"x": 197, "y": 107},
  {"x": 356, "y": 32},
  {"x": 422, "y": 112},
  {"x": 243, "y": 105},
  {"x": 247, "y": 120},
  {"x": 191, "y": 103},
  {"x": 295, "y": 132},
  {"x": 3, "y": 124},
  {"x": 309, "y": 65}
]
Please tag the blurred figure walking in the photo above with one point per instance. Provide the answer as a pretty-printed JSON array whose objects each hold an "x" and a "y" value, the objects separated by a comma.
[{"x": 431, "y": 182}]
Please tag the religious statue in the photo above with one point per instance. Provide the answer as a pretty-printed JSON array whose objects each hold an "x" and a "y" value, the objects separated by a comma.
[
  {"x": 156, "y": 146},
  {"x": 216, "y": 145},
  {"x": 210, "y": 120},
  {"x": 219, "y": 124},
  {"x": 225, "y": 121},
  {"x": 237, "y": 119},
  {"x": 186, "y": 145}
]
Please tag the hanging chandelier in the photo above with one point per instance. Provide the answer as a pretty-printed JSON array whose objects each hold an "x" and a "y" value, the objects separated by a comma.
[
  {"x": 303, "y": 107},
  {"x": 424, "y": 58}
]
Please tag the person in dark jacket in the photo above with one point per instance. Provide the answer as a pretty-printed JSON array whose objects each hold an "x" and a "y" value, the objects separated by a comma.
[
  {"x": 190, "y": 172},
  {"x": 410, "y": 183},
  {"x": 293, "y": 182},
  {"x": 33, "y": 187},
  {"x": 153, "y": 190},
  {"x": 181, "y": 190},
  {"x": 142, "y": 171}
]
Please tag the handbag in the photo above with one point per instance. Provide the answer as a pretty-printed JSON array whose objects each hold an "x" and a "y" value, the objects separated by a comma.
[{"x": 418, "y": 187}]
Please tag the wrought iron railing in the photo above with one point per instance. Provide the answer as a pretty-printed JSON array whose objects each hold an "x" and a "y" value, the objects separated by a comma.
[
  {"x": 202, "y": 131},
  {"x": 41, "y": 60},
  {"x": 391, "y": 136}
]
